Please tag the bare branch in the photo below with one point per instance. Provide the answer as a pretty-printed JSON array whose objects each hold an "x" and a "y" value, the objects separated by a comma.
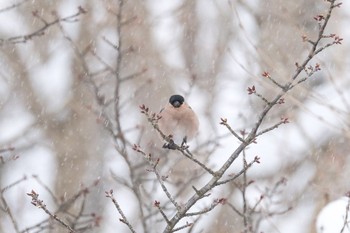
[
  {"x": 41, "y": 31},
  {"x": 41, "y": 205},
  {"x": 182, "y": 227},
  {"x": 154, "y": 164},
  {"x": 256, "y": 160},
  {"x": 267, "y": 75},
  {"x": 157, "y": 204},
  {"x": 8, "y": 211},
  {"x": 283, "y": 121},
  {"x": 46, "y": 188},
  {"x": 224, "y": 122},
  {"x": 124, "y": 220},
  {"x": 208, "y": 209},
  {"x": 346, "y": 219},
  {"x": 15, "y": 5}
]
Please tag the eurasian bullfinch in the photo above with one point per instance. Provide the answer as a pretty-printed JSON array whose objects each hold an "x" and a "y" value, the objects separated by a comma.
[{"x": 178, "y": 120}]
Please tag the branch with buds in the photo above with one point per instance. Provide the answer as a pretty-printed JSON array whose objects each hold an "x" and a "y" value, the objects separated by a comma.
[
  {"x": 41, "y": 205},
  {"x": 251, "y": 136}
]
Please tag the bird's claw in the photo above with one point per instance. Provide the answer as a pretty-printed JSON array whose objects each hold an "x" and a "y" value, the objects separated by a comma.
[
  {"x": 170, "y": 145},
  {"x": 184, "y": 145}
]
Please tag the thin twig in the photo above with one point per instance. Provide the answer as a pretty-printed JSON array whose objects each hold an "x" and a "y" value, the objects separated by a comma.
[
  {"x": 157, "y": 204},
  {"x": 41, "y": 31},
  {"x": 15, "y": 5},
  {"x": 124, "y": 220},
  {"x": 283, "y": 121},
  {"x": 182, "y": 227},
  {"x": 13, "y": 184},
  {"x": 346, "y": 222},
  {"x": 164, "y": 188},
  {"x": 267, "y": 75},
  {"x": 225, "y": 123},
  {"x": 159, "y": 178},
  {"x": 256, "y": 160},
  {"x": 40, "y": 204},
  {"x": 235, "y": 209},
  {"x": 206, "y": 210},
  {"x": 262, "y": 98},
  {"x": 118, "y": 74},
  {"x": 46, "y": 188},
  {"x": 8, "y": 211}
]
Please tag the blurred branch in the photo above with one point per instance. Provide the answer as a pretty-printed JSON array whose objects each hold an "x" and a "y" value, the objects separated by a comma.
[
  {"x": 5, "y": 155},
  {"x": 346, "y": 218},
  {"x": 15, "y": 5},
  {"x": 118, "y": 75},
  {"x": 5, "y": 207},
  {"x": 41, "y": 31},
  {"x": 315, "y": 49},
  {"x": 6, "y": 149},
  {"x": 269, "y": 198},
  {"x": 108, "y": 111}
]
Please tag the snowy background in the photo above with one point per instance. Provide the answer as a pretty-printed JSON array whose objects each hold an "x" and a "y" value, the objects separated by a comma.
[{"x": 210, "y": 52}]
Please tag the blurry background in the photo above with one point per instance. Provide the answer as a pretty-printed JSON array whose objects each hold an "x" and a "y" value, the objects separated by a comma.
[{"x": 69, "y": 105}]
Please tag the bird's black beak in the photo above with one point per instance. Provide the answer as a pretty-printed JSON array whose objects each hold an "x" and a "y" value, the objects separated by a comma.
[{"x": 176, "y": 104}]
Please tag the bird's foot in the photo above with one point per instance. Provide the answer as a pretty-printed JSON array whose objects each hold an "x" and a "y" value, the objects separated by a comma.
[
  {"x": 170, "y": 145},
  {"x": 184, "y": 143}
]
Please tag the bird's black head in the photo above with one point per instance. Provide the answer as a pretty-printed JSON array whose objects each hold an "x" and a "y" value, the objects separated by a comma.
[{"x": 176, "y": 100}]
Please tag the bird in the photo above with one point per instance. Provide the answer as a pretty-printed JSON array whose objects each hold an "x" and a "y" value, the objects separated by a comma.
[{"x": 178, "y": 121}]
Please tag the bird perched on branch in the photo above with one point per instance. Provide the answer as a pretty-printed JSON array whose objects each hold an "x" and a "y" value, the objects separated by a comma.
[{"x": 178, "y": 121}]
